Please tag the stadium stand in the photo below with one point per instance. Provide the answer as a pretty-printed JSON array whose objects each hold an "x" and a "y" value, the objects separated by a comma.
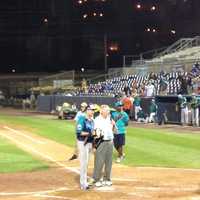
[
  {"x": 171, "y": 83},
  {"x": 174, "y": 81}
]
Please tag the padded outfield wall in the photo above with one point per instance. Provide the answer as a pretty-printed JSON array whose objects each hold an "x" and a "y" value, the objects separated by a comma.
[{"x": 49, "y": 102}]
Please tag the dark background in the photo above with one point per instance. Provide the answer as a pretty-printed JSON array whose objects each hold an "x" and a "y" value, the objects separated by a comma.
[{"x": 52, "y": 35}]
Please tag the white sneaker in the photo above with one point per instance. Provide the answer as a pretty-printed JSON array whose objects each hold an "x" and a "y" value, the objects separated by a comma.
[
  {"x": 91, "y": 182},
  {"x": 118, "y": 160},
  {"x": 98, "y": 184},
  {"x": 108, "y": 183},
  {"x": 122, "y": 157}
]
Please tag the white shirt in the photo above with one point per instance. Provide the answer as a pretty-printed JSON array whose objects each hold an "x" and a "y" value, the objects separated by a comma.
[
  {"x": 150, "y": 90},
  {"x": 105, "y": 126}
]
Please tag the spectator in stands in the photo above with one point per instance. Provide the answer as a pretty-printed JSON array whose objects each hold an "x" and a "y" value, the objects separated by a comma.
[
  {"x": 195, "y": 103},
  {"x": 150, "y": 89},
  {"x": 127, "y": 90},
  {"x": 182, "y": 104},
  {"x": 152, "y": 111},
  {"x": 141, "y": 90},
  {"x": 163, "y": 85},
  {"x": 183, "y": 85},
  {"x": 137, "y": 105},
  {"x": 134, "y": 88},
  {"x": 195, "y": 70},
  {"x": 152, "y": 76},
  {"x": 84, "y": 85}
]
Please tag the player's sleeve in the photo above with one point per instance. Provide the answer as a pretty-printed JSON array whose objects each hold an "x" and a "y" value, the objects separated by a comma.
[
  {"x": 77, "y": 116},
  {"x": 80, "y": 125},
  {"x": 125, "y": 118}
]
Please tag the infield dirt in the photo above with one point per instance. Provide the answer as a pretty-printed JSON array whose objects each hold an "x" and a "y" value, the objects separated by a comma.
[{"x": 61, "y": 181}]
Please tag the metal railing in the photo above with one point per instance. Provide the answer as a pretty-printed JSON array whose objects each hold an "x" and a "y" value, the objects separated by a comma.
[{"x": 181, "y": 44}]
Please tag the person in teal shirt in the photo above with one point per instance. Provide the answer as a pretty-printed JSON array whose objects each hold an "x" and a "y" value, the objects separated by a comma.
[
  {"x": 137, "y": 105},
  {"x": 79, "y": 116},
  {"x": 84, "y": 133},
  {"x": 152, "y": 111},
  {"x": 121, "y": 121}
]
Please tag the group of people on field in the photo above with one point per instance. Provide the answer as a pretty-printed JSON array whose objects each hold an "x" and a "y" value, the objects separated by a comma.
[
  {"x": 98, "y": 131},
  {"x": 184, "y": 106},
  {"x": 156, "y": 112}
]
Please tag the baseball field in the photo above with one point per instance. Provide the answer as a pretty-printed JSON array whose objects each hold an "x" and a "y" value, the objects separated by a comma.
[{"x": 160, "y": 163}]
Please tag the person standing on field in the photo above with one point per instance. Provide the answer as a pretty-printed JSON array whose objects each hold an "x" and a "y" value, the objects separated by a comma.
[
  {"x": 85, "y": 128},
  {"x": 152, "y": 111},
  {"x": 80, "y": 114},
  {"x": 103, "y": 156},
  {"x": 195, "y": 103},
  {"x": 137, "y": 105},
  {"x": 182, "y": 103},
  {"x": 121, "y": 121}
]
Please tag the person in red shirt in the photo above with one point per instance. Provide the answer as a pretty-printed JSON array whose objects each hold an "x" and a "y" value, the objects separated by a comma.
[{"x": 127, "y": 104}]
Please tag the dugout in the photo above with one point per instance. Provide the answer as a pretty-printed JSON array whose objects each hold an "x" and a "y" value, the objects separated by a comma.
[{"x": 48, "y": 103}]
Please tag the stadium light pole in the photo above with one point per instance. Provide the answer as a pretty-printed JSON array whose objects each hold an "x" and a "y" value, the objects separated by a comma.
[{"x": 105, "y": 54}]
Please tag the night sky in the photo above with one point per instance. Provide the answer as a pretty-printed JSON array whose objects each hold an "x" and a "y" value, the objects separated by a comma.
[{"x": 55, "y": 35}]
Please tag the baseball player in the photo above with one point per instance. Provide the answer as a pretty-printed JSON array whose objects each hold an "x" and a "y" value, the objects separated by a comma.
[
  {"x": 182, "y": 102},
  {"x": 152, "y": 110},
  {"x": 78, "y": 117},
  {"x": 85, "y": 128},
  {"x": 121, "y": 121},
  {"x": 137, "y": 104},
  {"x": 195, "y": 103}
]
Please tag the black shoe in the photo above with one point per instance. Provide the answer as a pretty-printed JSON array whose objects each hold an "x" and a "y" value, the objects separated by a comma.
[
  {"x": 85, "y": 188},
  {"x": 74, "y": 157}
]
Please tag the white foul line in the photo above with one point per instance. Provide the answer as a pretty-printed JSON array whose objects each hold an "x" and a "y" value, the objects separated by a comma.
[
  {"x": 24, "y": 135},
  {"x": 51, "y": 196},
  {"x": 42, "y": 155},
  {"x": 32, "y": 193}
]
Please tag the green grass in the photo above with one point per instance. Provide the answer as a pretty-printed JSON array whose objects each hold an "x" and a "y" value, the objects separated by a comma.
[
  {"x": 58, "y": 130},
  {"x": 13, "y": 159},
  {"x": 144, "y": 147}
]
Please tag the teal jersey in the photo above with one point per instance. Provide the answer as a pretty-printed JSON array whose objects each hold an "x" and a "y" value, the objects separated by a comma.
[
  {"x": 195, "y": 102},
  {"x": 121, "y": 119},
  {"x": 137, "y": 101},
  {"x": 79, "y": 115},
  {"x": 85, "y": 125},
  {"x": 79, "y": 123},
  {"x": 153, "y": 108},
  {"x": 141, "y": 114},
  {"x": 182, "y": 102}
]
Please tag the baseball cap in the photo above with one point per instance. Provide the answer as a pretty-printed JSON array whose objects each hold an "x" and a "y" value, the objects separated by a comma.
[
  {"x": 83, "y": 104},
  {"x": 118, "y": 104},
  {"x": 91, "y": 107},
  {"x": 179, "y": 96}
]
